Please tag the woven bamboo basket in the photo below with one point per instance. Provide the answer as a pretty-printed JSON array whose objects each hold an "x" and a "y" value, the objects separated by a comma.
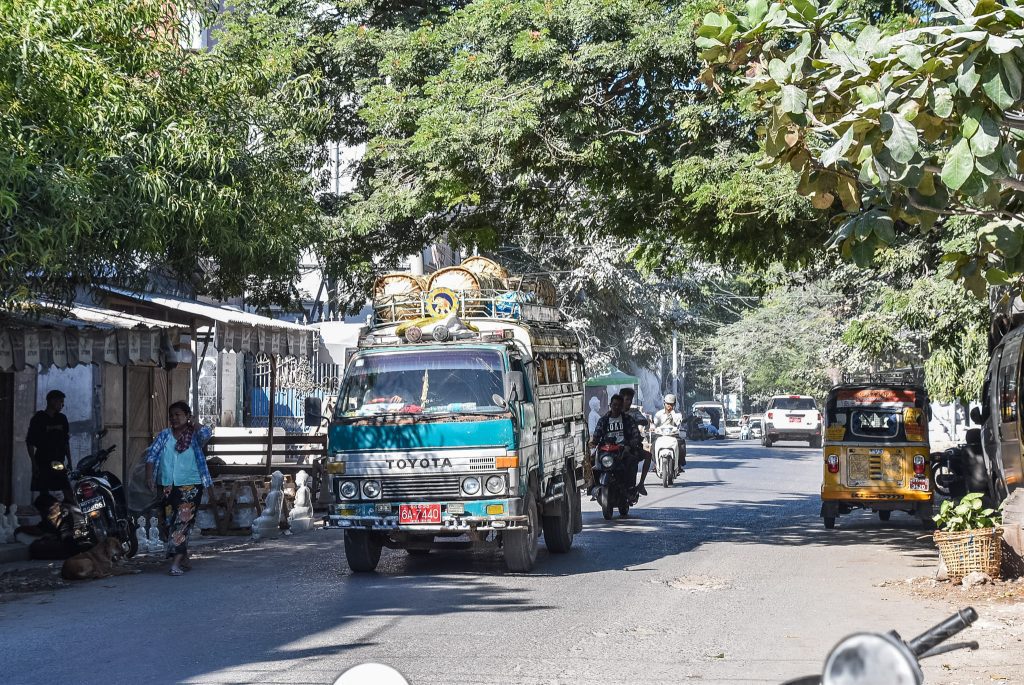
[
  {"x": 541, "y": 287},
  {"x": 485, "y": 266},
  {"x": 971, "y": 550},
  {"x": 468, "y": 285},
  {"x": 396, "y": 296}
]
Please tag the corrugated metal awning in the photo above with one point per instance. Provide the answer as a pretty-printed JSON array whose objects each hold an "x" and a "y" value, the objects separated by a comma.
[
  {"x": 237, "y": 330},
  {"x": 82, "y": 334}
]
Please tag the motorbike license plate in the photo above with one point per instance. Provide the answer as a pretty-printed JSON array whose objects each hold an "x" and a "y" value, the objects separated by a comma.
[
  {"x": 419, "y": 513},
  {"x": 91, "y": 504}
]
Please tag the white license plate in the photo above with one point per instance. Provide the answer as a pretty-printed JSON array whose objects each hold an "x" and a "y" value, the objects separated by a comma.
[
  {"x": 919, "y": 484},
  {"x": 91, "y": 504}
]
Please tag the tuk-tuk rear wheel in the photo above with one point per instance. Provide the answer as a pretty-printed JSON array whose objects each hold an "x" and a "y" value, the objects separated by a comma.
[
  {"x": 830, "y": 522},
  {"x": 884, "y": 515}
]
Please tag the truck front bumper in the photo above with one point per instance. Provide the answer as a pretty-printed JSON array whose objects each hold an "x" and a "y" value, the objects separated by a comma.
[{"x": 473, "y": 518}]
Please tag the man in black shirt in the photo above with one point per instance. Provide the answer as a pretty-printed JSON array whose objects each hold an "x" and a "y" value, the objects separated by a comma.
[{"x": 49, "y": 448}]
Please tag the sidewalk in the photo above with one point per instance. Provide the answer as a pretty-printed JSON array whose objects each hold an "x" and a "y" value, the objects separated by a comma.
[{"x": 20, "y": 574}]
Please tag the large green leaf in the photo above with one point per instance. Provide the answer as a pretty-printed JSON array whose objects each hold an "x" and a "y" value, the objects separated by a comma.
[
  {"x": 959, "y": 165},
  {"x": 1001, "y": 45},
  {"x": 985, "y": 140},
  {"x": 902, "y": 141},
  {"x": 942, "y": 100},
  {"x": 756, "y": 11},
  {"x": 793, "y": 99},
  {"x": 996, "y": 84}
]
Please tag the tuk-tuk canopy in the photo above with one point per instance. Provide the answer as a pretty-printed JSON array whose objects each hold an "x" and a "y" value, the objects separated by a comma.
[{"x": 613, "y": 377}]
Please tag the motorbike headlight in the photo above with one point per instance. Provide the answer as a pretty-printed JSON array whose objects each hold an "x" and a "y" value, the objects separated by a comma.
[
  {"x": 371, "y": 489},
  {"x": 471, "y": 486},
  {"x": 495, "y": 485},
  {"x": 607, "y": 460},
  {"x": 348, "y": 490}
]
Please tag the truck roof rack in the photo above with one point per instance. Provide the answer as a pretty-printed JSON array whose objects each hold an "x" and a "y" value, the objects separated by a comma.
[
  {"x": 501, "y": 305},
  {"x": 906, "y": 376}
]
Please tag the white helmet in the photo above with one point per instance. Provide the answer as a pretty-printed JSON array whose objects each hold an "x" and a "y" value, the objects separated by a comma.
[{"x": 670, "y": 399}]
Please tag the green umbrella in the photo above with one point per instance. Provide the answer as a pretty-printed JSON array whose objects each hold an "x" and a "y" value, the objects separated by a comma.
[{"x": 612, "y": 377}]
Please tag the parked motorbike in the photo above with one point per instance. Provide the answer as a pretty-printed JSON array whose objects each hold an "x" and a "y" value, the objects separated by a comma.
[
  {"x": 873, "y": 658},
  {"x": 100, "y": 497},
  {"x": 948, "y": 473},
  {"x": 612, "y": 462},
  {"x": 668, "y": 454}
]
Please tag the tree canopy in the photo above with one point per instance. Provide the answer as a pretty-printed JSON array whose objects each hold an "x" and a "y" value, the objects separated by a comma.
[
  {"x": 894, "y": 124},
  {"x": 123, "y": 151}
]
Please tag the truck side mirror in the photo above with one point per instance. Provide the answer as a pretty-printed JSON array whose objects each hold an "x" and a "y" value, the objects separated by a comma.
[
  {"x": 976, "y": 416},
  {"x": 311, "y": 409},
  {"x": 514, "y": 386}
]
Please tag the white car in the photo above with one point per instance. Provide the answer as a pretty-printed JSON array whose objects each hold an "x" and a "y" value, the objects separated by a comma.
[
  {"x": 732, "y": 428},
  {"x": 792, "y": 417}
]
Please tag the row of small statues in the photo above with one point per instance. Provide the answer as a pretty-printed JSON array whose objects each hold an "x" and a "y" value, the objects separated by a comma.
[
  {"x": 8, "y": 522},
  {"x": 266, "y": 525}
]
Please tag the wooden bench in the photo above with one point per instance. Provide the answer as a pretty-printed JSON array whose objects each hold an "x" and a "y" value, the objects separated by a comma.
[{"x": 245, "y": 452}]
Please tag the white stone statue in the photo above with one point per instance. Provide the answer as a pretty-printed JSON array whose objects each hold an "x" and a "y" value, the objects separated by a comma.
[
  {"x": 594, "y": 416},
  {"x": 300, "y": 518},
  {"x": 140, "y": 535},
  {"x": 244, "y": 516},
  {"x": 6, "y": 531},
  {"x": 155, "y": 543},
  {"x": 12, "y": 519},
  {"x": 268, "y": 524},
  {"x": 205, "y": 519}
]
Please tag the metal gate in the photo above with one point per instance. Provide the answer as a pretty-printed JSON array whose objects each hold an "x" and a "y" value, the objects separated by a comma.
[{"x": 297, "y": 379}]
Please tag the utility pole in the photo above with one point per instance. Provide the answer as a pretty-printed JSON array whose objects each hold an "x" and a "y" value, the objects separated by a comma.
[
  {"x": 675, "y": 364},
  {"x": 681, "y": 399}
]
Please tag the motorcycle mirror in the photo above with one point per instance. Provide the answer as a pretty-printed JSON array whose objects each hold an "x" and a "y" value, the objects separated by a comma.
[
  {"x": 871, "y": 658},
  {"x": 976, "y": 415},
  {"x": 311, "y": 412}
]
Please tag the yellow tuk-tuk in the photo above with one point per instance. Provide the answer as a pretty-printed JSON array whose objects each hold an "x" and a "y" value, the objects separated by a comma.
[{"x": 876, "y": 453}]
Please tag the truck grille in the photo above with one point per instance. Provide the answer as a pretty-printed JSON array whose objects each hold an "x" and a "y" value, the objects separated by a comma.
[{"x": 428, "y": 488}]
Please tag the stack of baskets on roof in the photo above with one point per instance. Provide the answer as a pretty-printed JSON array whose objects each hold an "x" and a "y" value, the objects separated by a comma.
[{"x": 478, "y": 281}]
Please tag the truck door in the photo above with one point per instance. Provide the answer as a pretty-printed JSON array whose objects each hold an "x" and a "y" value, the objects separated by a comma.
[{"x": 1009, "y": 409}]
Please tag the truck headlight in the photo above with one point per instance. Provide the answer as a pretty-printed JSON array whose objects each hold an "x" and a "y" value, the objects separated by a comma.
[
  {"x": 348, "y": 489},
  {"x": 607, "y": 460},
  {"x": 471, "y": 485},
  {"x": 371, "y": 489},
  {"x": 495, "y": 485}
]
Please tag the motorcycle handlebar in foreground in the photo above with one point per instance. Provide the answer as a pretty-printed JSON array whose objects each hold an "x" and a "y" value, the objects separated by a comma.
[{"x": 884, "y": 658}]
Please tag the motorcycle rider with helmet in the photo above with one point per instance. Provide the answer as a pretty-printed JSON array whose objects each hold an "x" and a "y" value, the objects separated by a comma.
[
  {"x": 622, "y": 428},
  {"x": 670, "y": 417}
]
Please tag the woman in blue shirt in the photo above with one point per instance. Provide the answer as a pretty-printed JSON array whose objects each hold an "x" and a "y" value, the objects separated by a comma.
[{"x": 175, "y": 462}]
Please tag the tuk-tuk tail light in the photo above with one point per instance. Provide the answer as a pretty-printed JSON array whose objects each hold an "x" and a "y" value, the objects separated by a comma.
[
  {"x": 832, "y": 462},
  {"x": 919, "y": 464}
]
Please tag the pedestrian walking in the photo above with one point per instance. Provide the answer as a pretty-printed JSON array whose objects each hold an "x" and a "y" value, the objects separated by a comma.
[{"x": 176, "y": 464}]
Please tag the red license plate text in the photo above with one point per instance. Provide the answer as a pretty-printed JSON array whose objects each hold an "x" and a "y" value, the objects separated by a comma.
[{"x": 419, "y": 513}]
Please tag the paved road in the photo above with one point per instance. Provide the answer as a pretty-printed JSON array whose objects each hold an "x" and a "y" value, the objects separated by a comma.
[{"x": 728, "y": 577}]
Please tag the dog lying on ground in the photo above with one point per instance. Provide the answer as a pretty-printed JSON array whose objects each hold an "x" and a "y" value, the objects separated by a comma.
[{"x": 96, "y": 562}]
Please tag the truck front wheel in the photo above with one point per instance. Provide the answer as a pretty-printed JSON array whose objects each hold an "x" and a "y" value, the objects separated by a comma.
[
  {"x": 362, "y": 550},
  {"x": 520, "y": 544}
]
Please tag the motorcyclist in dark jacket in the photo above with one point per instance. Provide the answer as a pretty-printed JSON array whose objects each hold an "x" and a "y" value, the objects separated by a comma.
[{"x": 621, "y": 428}]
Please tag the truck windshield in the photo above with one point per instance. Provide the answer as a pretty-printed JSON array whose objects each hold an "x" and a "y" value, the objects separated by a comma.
[{"x": 422, "y": 382}]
